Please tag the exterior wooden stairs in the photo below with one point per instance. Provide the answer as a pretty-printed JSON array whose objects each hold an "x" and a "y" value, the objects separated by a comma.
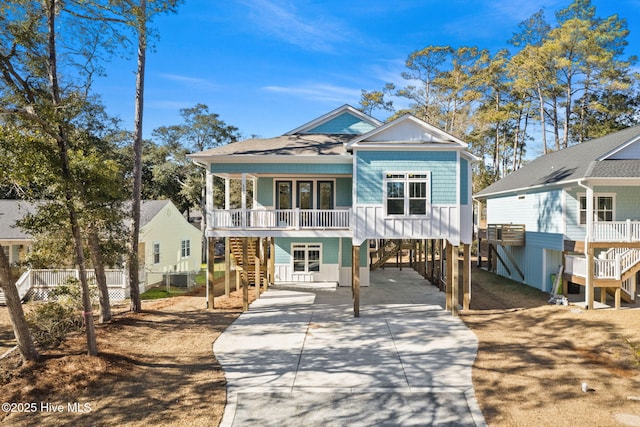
[
  {"x": 386, "y": 252},
  {"x": 252, "y": 254},
  {"x": 626, "y": 264}
]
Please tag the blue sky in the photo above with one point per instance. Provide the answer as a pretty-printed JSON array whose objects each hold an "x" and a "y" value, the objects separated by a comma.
[{"x": 268, "y": 66}]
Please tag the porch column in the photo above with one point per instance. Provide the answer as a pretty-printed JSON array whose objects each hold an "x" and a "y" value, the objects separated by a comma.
[
  {"x": 208, "y": 197},
  {"x": 432, "y": 260},
  {"x": 589, "y": 291},
  {"x": 245, "y": 274},
  {"x": 227, "y": 194},
  {"x": 244, "y": 200},
  {"x": 227, "y": 267},
  {"x": 272, "y": 260},
  {"x": 449, "y": 281},
  {"x": 355, "y": 278},
  {"x": 466, "y": 277},
  {"x": 211, "y": 263},
  {"x": 256, "y": 261},
  {"x": 455, "y": 279}
]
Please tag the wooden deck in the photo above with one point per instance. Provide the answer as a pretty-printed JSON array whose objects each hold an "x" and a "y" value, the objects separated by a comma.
[{"x": 505, "y": 234}]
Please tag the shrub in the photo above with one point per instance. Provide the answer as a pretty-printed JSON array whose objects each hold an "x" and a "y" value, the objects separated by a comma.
[{"x": 51, "y": 321}]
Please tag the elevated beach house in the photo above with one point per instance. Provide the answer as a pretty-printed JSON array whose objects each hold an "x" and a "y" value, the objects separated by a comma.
[
  {"x": 577, "y": 209},
  {"x": 324, "y": 191}
]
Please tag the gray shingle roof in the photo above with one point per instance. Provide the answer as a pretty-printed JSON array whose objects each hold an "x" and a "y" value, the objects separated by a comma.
[
  {"x": 14, "y": 210},
  {"x": 299, "y": 145},
  {"x": 10, "y": 212},
  {"x": 571, "y": 164}
]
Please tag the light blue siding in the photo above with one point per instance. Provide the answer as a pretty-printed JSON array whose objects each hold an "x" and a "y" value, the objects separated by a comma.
[
  {"x": 343, "y": 191},
  {"x": 464, "y": 182},
  {"x": 575, "y": 231},
  {"x": 537, "y": 260},
  {"x": 330, "y": 248},
  {"x": 345, "y": 123},
  {"x": 626, "y": 207},
  {"x": 371, "y": 165},
  {"x": 265, "y": 192},
  {"x": 346, "y": 253},
  {"x": 539, "y": 212},
  {"x": 292, "y": 168}
]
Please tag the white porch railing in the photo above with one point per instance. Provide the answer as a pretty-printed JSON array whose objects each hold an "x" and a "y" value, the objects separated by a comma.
[
  {"x": 285, "y": 219},
  {"x": 604, "y": 268},
  {"x": 616, "y": 231},
  {"x": 41, "y": 282}
]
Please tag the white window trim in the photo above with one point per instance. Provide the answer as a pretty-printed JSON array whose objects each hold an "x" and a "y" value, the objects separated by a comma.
[
  {"x": 306, "y": 246},
  {"x": 182, "y": 248},
  {"x": 407, "y": 180},
  {"x": 153, "y": 253},
  {"x": 595, "y": 197},
  {"x": 294, "y": 192}
]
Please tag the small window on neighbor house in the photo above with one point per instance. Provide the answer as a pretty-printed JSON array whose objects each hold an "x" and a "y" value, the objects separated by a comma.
[
  {"x": 185, "y": 249},
  {"x": 602, "y": 209},
  {"x": 156, "y": 253}
]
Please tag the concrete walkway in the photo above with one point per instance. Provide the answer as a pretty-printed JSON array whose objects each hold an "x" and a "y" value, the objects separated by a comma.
[{"x": 300, "y": 358}]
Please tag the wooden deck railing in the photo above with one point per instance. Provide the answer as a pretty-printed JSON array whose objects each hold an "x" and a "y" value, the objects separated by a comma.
[{"x": 506, "y": 234}]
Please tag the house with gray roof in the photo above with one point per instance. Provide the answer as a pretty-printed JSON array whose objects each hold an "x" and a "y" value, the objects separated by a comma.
[
  {"x": 328, "y": 188},
  {"x": 168, "y": 243},
  {"x": 578, "y": 208}
]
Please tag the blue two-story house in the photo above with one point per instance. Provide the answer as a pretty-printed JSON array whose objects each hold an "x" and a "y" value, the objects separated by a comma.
[
  {"x": 578, "y": 208},
  {"x": 325, "y": 189}
]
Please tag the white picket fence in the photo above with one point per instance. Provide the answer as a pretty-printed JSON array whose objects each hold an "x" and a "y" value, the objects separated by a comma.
[{"x": 37, "y": 284}]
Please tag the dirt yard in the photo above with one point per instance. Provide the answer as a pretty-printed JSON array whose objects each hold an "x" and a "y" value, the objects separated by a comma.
[{"x": 156, "y": 368}]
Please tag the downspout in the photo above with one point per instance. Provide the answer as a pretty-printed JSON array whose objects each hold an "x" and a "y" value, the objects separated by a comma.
[{"x": 587, "y": 250}]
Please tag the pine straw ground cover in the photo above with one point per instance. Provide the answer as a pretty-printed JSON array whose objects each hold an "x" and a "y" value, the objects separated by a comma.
[{"x": 157, "y": 367}]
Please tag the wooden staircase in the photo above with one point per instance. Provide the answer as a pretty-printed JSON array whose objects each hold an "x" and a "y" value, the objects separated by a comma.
[
  {"x": 252, "y": 251},
  {"x": 386, "y": 252}
]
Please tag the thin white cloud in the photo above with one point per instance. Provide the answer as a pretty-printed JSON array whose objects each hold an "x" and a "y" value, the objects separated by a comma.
[
  {"x": 188, "y": 80},
  {"x": 283, "y": 20},
  {"x": 319, "y": 92}
]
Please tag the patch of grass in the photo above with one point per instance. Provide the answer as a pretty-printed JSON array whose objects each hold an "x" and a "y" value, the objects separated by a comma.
[
  {"x": 161, "y": 292},
  {"x": 218, "y": 271}
]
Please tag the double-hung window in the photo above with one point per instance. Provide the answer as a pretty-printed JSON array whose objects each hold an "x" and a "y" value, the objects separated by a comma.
[
  {"x": 602, "y": 209},
  {"x": 185, "y": 249},
  {"x": 407, "y": 193},
  {"x": 156, "y": 253},
  {"x": 306, "y": 257}
]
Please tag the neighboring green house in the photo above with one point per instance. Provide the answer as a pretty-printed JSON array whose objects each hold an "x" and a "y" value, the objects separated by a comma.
[
  {"x": 579, "y": 208},
  {"x": 325, "y": 189},
  {"x": 168, "y": 243}
]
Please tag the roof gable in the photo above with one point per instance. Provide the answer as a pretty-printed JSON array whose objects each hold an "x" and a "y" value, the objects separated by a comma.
[
  {"x": 345, "y": 120},
  {"x": 407, "y": 130},
  {"x": 627, "y": 151}
]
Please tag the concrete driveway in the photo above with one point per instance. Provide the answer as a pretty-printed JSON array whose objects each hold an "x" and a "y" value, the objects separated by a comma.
[{"x": 300, "y": 358}]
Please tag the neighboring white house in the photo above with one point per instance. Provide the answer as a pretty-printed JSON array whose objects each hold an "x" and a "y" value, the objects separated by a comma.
[{"x": 168, "y": 242}]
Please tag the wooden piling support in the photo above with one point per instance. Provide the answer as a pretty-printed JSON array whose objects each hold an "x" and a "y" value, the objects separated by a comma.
[{"x": 211, "y": 264}]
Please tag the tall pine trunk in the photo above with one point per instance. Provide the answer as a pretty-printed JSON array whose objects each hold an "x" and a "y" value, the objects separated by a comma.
[
  {"x": 134, "y": 283},
  {"x": 61, "y": 139}
]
